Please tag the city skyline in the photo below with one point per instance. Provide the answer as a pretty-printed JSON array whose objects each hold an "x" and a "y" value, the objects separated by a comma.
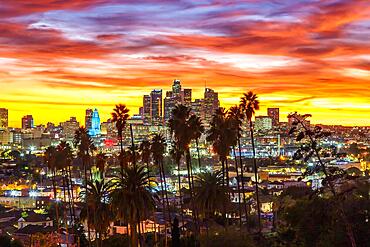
[
  {"x": 267, "y": 111},
  {"x": 59, "y": 58}
]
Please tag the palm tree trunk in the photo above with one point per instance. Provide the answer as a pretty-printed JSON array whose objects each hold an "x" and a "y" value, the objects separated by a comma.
[
  {"x": 66, "y": 183},
  {"x": 121, "y": 154},
  {"x": 133, "y": 146},
  {"x": 165, "y": 191},
  {"x": 87, "y": 208},
  {"x": 180, "y": 193},
  {"x": 55, "y": 199},
  {"x": 238, "y": 188},
  {"x": 71, "y": 191},
  {"x": 223, "y": 171},
  {"x": 197, "y": 144},
  {"x": 64, "y": 203},
  {"x": 191, "y": 184},
  {"x": 255, "y": 175},
  {"x": 242, "y": 179}
]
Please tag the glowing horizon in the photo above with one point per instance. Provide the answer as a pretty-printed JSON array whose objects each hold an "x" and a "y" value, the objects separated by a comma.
[{"x": 58, "y": 58}]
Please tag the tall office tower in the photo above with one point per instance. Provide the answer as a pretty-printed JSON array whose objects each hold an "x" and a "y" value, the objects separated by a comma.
[
  {"x": 273, "y": 113},
  {"x": 69, "y": 127},
  {"x": 211, "y": 103},
  {"x": 3, "y": 118},
  {"x": 169, "y": 104},
  {"x": 176, "y": 88},
  {"x": 197, "y": 108},
  {"x": 95, "y": 124},
  {"x": 27, "y": 122},
  {"x": 146, "y": 110},
  {"x": 186, "y": 97},
  {"x": 156, "y": 106},
  {"x": 88, "y": 118},
  {"x": 263, "y": 123}
]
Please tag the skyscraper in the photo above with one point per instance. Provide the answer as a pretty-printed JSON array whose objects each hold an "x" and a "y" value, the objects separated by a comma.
[
  {"x": 263, "y": 123},
  {"x": 146, "y": 109},
  {"x": 69, "y": 127},
  {"x": 88, "y": 118},
  {"x": 274, "y": 114},
  {"x": 211, "y": 103},
  {"x": 95, "y": 124},
  {"x": 27, "y": 122},
  {"x": 187, "y": 97},
  {"x": 176, "y": 88},
  {"x": 156, "y": 106},
  {"x": 169, "y": 104},
  {"x": 3, "y": 118}
]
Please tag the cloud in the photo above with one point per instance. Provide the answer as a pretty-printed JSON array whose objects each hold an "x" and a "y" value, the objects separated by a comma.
[{"x": 302, "y": 50}]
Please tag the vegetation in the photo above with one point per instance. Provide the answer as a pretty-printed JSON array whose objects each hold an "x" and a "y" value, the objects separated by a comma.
[{"x": 334, "y": 215}]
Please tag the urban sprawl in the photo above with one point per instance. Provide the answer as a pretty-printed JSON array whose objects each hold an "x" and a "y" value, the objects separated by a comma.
[{"x": 70, "y": 185}]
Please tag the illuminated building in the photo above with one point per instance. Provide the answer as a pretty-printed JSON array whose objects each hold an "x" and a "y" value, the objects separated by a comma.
[
  {"x": 95, "y": 124},
  {"x": 176, "y": 88},
  {"x": 263, "y": 123},
  {"x": 169, "y": 104},
  {"x": 6, "y": 136},
  {"x": 273, "y": 113},
  {"x": 186, "y": 97},
  {"x": 69, "y": 127},
  {"x": 108, "y": 128},
  {"x": 88, "y": 118},
  {"x": 3, "y": 118},
  {"x": 146, "y": 109},
  {"x": 211, "y": 103},
  {"x": 156, "y": 106},
  {"x": 27, "y": 122}
]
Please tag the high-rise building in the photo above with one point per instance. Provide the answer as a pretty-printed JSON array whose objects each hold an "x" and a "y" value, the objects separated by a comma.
[
  {"x": 146, "y": 109},
  {"x": 169, "y": 104},
  {"x": 27, "y": 122},
  {"x": 186, "y": 97},
  {"x": 176, "y": 88},
  {"x": 263, "y": 123},
  {"x": 3, "y": 118},
  {"x": 108, "y": 128},
  {"x": 273, "y": 113},
  {"x": 88, "y": 118},
  {"x": 95, "y": 124},
  {"x": 156, "y": 106},
  {"x": 69, "y": 127},
  {"x": 211, "y": 103}
]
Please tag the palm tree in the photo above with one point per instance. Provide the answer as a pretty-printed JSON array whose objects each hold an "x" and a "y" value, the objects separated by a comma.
[
  {"x": 97, "y": 211},
  {"x": 180, "y": 128},
  {"x": 221, "y": 135},
  {"x": 85, "y": 146},
  {"x": 236, "y": 116},
  {"x": 198, "y": 128},
  {"x": 157, "y": 149},
  {"x": 211, "y": 196},
  {"x": 132, "y": 199},
  {"x": 120, "y": 116},
  {"x": 64, "y": 159},
  {"x": 145, "y": 152},
  {"x": 249, "y": 105},
  {"x": 50, "y": 160},
  {"x": 101, "y": 160}
]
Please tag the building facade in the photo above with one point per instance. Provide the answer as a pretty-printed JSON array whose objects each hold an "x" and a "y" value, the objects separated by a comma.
[
  {"x": 3, "y": 118},
  {"x": 27, "y": 122}
]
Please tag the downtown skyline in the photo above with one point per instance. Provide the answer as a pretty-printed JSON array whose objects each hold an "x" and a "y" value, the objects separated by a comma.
[{"x": 59, "y": 58}]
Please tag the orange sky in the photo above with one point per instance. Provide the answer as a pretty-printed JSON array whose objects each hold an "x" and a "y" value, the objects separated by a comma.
[{"x": 58, "y": 58}]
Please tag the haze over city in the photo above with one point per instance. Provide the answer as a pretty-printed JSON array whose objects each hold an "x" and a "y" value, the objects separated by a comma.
[{"x": 59, "y": 57}]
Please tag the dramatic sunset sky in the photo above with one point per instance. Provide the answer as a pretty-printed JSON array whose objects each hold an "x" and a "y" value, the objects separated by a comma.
[{"x": 58, "y": 57}]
